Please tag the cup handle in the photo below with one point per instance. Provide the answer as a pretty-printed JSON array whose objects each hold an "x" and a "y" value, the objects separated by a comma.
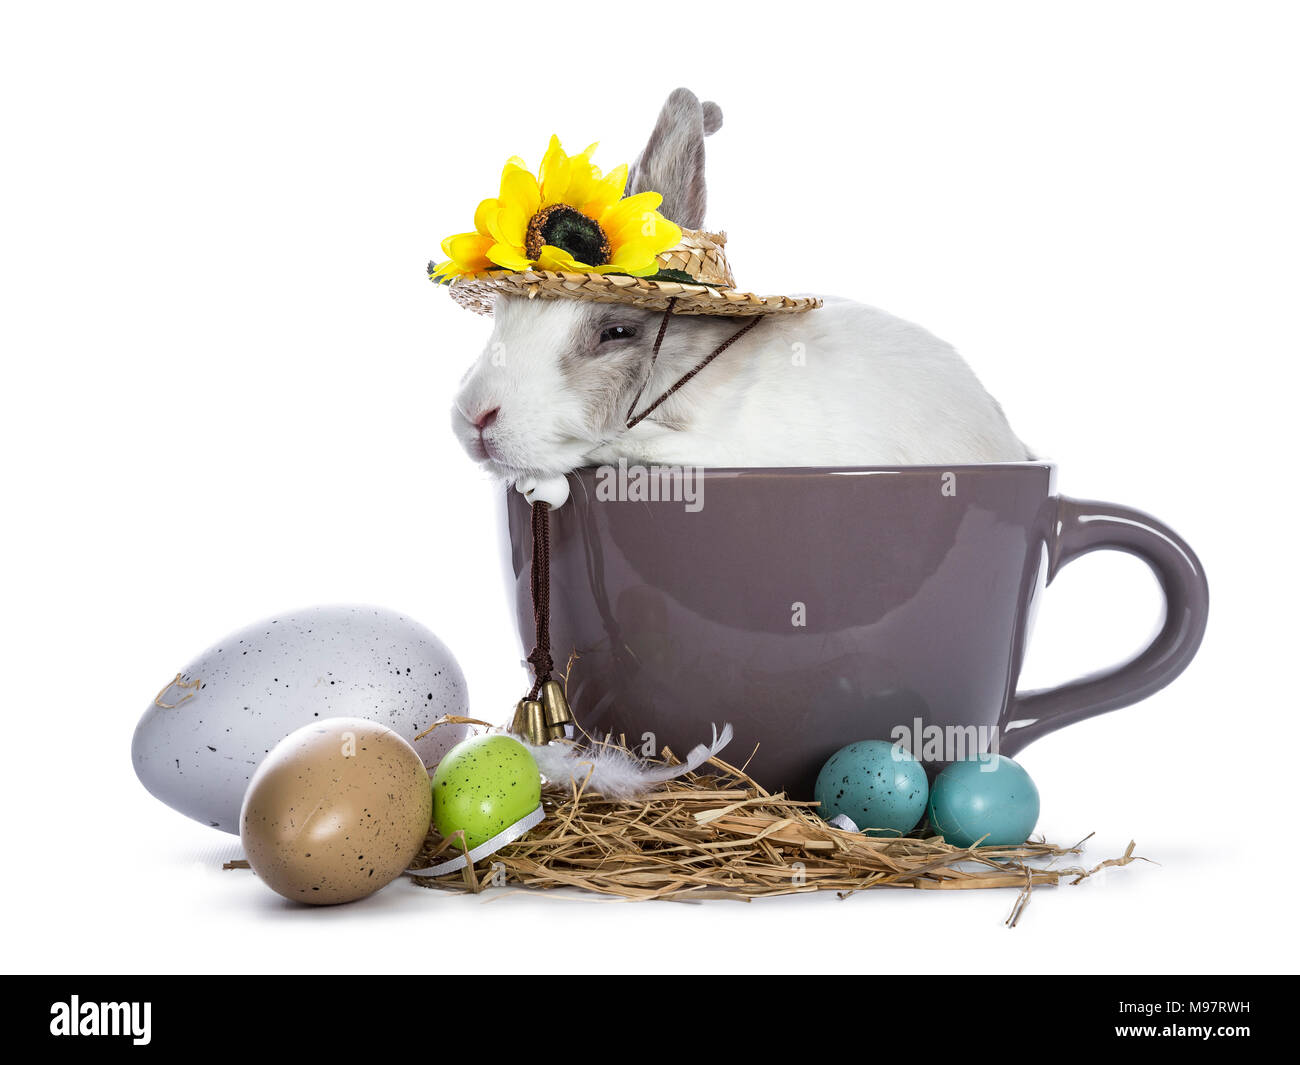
[{"x": 1082, "y": 526}]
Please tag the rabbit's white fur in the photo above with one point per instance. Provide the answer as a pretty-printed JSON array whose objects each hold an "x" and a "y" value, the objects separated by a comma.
[{"x": 842, "y": 385}]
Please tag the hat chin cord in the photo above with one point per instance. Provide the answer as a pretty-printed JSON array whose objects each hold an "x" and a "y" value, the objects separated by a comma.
[
  {"x": 634, "y": 420},
  {"x": 555, "y": 490},
  {"x": 543, "y": 714}
]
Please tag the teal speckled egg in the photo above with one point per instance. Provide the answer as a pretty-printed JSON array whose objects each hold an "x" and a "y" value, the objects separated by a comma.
[
  {"x": 993, "y": 798},
  {"x": 878, "y": 785},
  {"x": 484, "y": 785}
]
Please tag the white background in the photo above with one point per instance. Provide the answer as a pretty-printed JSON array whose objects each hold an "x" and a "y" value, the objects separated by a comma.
[{"x": 225, "y": 384}]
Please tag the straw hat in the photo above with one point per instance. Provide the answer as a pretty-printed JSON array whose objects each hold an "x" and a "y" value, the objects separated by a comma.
[
  {"x": 570, "y": 231},
  {"x": 698, "y": 255}
]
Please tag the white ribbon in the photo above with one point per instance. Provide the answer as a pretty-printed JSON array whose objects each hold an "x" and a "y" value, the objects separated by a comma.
[{"x": 480, "y": 852}]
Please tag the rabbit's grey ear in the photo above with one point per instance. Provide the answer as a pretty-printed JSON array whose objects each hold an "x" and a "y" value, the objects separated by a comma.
[{"x": 672, "y": 162}]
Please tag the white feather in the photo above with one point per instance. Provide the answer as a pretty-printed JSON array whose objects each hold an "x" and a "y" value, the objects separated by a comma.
[{"x": 612, "y": 771}]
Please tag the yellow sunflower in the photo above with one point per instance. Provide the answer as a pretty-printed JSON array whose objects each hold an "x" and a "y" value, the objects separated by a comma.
[{"x": 569, "y": 217}]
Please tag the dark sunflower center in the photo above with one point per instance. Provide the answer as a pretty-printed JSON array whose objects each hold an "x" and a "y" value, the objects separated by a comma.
[{"x": 569, "y": 230}]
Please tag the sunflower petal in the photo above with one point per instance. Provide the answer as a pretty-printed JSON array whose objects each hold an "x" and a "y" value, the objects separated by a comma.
[
  {"x": 466, "y": 254},
  {"x": 638, "y": 228},
  {"x": 667, "y": 234},
  {"x": 637, "y": 256},
  {"x": 553, "y": 258},
  {"x": 556, "y": 186},
  {"x": 649, "y": 226},
  {"x": 582, "y": 181},
  {"x": 510, "y": 226},
  {"x": 606, "y": 191},
  {"x": 481, "y": 213},
  {"x": 507, "y": 257},
  {"x": 627, "y": 218},
  {"x": 583, "y": 177},
  {"x": 519, "y": 190},
  {"x": 446, "y": 242},
  {"x": 465, "y": 246},
  {"x": 553, "y": 174},
  {"x": 554, "y": 150}
]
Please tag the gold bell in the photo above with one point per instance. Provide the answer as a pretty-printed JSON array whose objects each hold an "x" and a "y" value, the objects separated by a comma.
[
  {"x": 556, "y": 707},
  {"x": 530, "y": 722}
]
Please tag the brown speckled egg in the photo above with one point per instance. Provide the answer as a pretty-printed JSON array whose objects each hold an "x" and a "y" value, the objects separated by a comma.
[{"x": 337, "y": 810}]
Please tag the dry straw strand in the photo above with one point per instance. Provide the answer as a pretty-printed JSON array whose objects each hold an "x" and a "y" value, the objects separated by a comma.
[{"x": 718, "y": 834}]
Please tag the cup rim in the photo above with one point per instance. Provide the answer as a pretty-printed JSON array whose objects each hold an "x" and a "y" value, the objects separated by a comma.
[{"x": 928, "y": 470}]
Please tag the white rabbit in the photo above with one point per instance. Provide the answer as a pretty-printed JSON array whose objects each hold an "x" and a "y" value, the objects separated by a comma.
[{"x": 843, "y": 385}]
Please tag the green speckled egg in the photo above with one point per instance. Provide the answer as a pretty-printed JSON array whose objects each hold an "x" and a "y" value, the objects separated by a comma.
[
  {"x": 484, "y": 785},
  {"x": 877, "y": 784},
  {"x": 993, "y": 798}
]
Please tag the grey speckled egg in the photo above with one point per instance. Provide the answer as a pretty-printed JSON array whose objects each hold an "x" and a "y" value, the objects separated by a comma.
[{"x": 207, "y": 730}]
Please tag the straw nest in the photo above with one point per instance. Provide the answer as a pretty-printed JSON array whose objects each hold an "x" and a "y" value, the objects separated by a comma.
[{"x": 719, "y": 835}]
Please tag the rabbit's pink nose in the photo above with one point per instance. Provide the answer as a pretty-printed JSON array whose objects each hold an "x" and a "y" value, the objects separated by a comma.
[{"x": 484, "y": 420}]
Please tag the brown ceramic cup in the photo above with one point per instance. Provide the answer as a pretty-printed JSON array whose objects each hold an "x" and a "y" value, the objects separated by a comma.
[{"x": 812, "y": 608}]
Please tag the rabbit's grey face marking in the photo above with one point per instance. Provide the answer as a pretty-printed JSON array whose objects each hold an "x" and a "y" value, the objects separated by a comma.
[
  {"x": 551, "y": 384},
  {"x": 606, "y": 361},
  {"x": 557, "y": 377},
  {"x": 611, "y": 355}
]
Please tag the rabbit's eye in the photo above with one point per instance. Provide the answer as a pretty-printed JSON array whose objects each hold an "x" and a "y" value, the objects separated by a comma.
[{"x": 617, "y": 332}]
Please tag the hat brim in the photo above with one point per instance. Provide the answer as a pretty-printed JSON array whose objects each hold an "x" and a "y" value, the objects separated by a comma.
[{"x": 479, "y": 292}]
